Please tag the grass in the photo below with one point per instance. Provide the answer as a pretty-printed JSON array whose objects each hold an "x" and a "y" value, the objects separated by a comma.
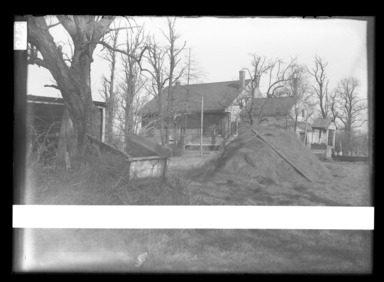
[
  {"x": 251, "y": 251},
  {"x": 102, "y": 182},
  {"x": 195, "y": 251}
]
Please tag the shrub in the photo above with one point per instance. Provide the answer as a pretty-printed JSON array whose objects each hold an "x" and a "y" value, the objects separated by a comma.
[{"x": 104, "y": 181}]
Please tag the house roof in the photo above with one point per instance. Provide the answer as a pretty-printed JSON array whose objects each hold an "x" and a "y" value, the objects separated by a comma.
[
  {"x": 322, "y": 123},
  {"x": 275, "y": 106},
  {"x": 217, "y": 96},
  {"x": 55, "y": 100},
  {"x": 301, "y": 125}
]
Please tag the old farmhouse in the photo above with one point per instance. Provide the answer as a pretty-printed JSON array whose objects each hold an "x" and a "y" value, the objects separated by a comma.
[
  {"x": 220, "y": 118},
  {"x": 224, "y": 116}
]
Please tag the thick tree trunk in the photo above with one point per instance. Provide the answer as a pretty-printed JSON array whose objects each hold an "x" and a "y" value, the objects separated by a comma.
[
  {"x": 74, "y": 81},
  {"x": 66, "y": 138},
  {"x": 83, "y": 112}
]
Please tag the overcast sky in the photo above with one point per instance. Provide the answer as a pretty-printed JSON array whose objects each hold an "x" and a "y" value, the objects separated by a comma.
[{"x": 222, "y": 47}]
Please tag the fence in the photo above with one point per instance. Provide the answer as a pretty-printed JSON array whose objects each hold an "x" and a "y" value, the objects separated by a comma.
[{"x": 350, "y": 159}]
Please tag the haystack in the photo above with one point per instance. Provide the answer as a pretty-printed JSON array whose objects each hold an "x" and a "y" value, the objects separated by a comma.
[{"x": 247, "y": 158}]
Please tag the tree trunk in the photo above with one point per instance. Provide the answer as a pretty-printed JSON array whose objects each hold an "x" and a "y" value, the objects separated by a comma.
[
  {"x": 66, "y": 138},
  {"x": 128, "y": 112},
  {"x": 84, "y": 114},
  {"x": 110, "y": 108},
  {"x": 109, "y": 121},
  {"x": 74, "y": 81},
  {"x": 160, "y": 110}
]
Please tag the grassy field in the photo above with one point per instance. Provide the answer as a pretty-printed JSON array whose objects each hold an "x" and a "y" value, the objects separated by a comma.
[
  {"x": 197, "y": 251},
  {"x": 244, "y": 251}
]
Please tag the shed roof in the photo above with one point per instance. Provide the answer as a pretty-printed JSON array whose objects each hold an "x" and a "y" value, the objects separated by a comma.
[
  {"x": 322, "y": 123},
  {"x": 217, "y": 96},
  {"x": 55, "y": 100},
  {"x": 301, "y": 125}
]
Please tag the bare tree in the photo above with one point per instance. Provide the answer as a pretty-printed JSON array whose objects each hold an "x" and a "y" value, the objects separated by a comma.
[
  {"x": 194, "y": 73},
  {"x": 108, "y": 92},
  {"x": 158, "y": 57},
  {"x": 280, "y": 73},
  {"x": 156, "y": 60},
  {"x": 72, "y": 75},
  {"x": 279, "y": 76},
  {"x": 72, "y": 80},
  {"x": 304, "y": 105},
  {"x": 318, "y": 72},
  {"x": 173, "y": 53},
  {"x": 349, "y": 108},
  {"x": 333, "y": 104},
  {"x": 260, "y": 66},
  {"x": 132, "y": 80}
]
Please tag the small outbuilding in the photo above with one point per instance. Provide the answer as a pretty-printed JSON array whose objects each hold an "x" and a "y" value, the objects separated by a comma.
[{"x": 323, "y": 137}]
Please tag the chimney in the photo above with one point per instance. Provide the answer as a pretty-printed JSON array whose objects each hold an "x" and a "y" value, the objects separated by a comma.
[
  {"x": 177, "y": 83},
  {"x": 242, "y": 79}
]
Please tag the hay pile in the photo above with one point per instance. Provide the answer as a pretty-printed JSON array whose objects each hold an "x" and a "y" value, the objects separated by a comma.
[{"x": 255, "y": 160}]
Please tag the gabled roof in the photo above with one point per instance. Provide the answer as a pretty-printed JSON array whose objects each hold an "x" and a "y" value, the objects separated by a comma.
[
  {"x": 217, "y": 96},
  {"x": 322, "y": 123},
  {"x": 274, "y": 106}
]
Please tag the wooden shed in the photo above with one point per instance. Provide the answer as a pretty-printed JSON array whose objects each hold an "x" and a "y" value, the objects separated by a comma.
[
  {"x": 44, "y": 118},
  {"x": 323, "y": 137},
  {"x": 144, "y": 158}
]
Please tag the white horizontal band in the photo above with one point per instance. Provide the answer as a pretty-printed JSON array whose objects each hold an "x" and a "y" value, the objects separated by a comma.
[{"x": 193, "y": 217}]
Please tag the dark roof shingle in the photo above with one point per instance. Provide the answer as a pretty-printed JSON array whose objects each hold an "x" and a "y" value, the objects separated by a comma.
[
  {"x": 322, "y": 123},
  {"x": 58, "y": 100},
  {"x": 275, "y": 106},
  {"x": 217, "y": 96}
]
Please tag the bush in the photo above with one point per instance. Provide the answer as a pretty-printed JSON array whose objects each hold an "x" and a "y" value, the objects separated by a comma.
[{"x": 104, "y": 181}]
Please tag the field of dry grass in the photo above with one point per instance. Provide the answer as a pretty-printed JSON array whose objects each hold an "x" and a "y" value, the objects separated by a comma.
[
  {"x": 244, "y": 251},
  {"x": 239, "y": 251}
]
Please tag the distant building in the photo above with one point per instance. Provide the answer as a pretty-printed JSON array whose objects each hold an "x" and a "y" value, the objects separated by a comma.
[
  {"x": 274, "y": 111},
  {"x": 304, "y": 132},
  {"x": 323, "y": 137}
]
